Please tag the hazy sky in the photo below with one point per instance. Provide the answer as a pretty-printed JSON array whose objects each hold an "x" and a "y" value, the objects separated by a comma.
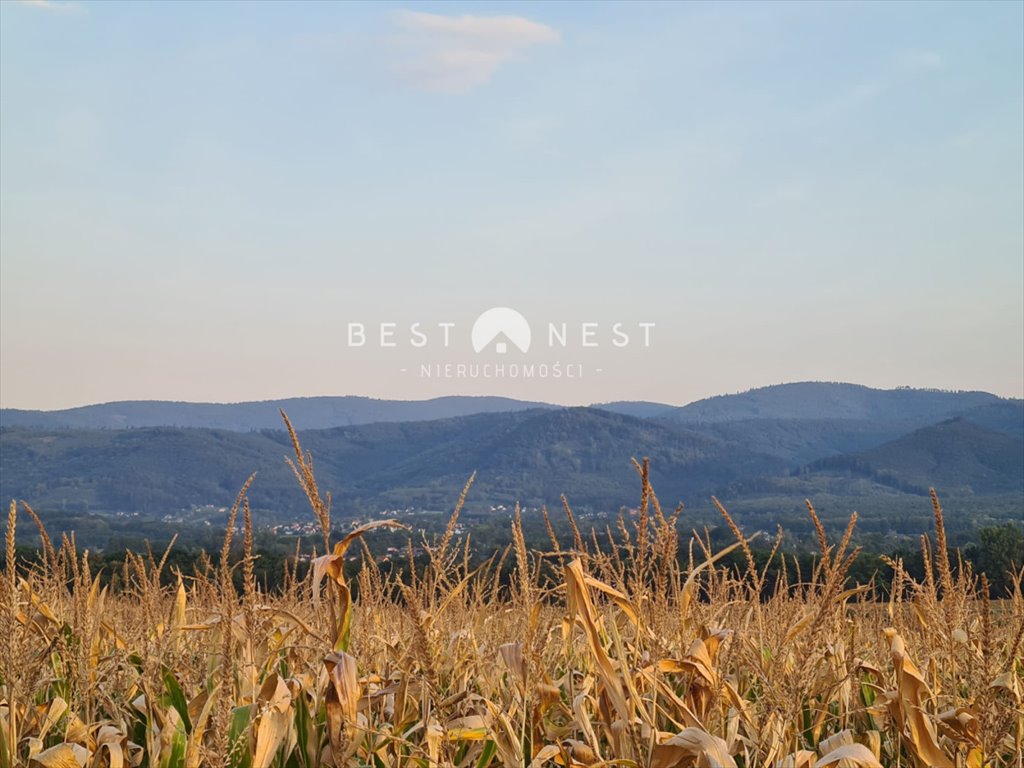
[{"x": 197, "y": 199}]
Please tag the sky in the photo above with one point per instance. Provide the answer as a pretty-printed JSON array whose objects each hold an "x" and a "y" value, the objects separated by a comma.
[{"x": 210, "y": 202}]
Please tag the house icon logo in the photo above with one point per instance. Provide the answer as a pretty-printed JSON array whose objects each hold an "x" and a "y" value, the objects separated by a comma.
[{"x": 499, "y": 326}]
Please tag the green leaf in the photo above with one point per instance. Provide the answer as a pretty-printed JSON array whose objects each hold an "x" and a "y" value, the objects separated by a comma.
[
  {"x": 176, "y": 698},
  {"x": 175, "y": 757},
  {"x": 344, "y": 619},
  {"x": 490, "y": 749},
  {"x": 238, "y": 733}
]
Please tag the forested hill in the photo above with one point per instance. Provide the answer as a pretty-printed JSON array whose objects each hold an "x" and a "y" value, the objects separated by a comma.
[
  {"x": 824, "y": 400},
  {"x": 313, "y": 412},
  {"x": 533, "y": 456},
  {"x": 860, "y": 447}
]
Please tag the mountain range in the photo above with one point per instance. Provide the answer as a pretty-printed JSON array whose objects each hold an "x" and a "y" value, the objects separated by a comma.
[
  {"x": 809, "y": 438},
  {"x": 801, "y": 401},
  {"x": 313, "y": 412}
]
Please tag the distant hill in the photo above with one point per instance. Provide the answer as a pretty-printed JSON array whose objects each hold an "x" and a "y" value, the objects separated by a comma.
[
  {"x": 582, "y": 452},
  {"x": 642, "y": 409},
  {"x": 822, "y": 400},
  {"x": 312, "y": 412},
  {"x": 532, "y": 456},
  {"x": 1005, "y": 416},
  {"x": 766, "y": 411},
  {"x": 802, "y": 441},
  {"x": 151, "y": 470},
  {"x": 840, "y": 441},
  {"x": 801, "y": 423},
  {"x": 954, "y": 456}
]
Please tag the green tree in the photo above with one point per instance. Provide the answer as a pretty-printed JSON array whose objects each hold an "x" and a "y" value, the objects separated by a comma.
[{"x": 1000, "y": 555}]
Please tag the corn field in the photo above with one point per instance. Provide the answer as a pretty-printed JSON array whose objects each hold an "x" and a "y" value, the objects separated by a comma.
[{"x": 631, "y": 647}]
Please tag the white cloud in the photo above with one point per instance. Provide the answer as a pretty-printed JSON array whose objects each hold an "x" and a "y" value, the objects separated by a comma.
[{"x": 454, "y": 54}]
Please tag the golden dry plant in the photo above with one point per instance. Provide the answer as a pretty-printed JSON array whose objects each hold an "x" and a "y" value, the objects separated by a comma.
[{"x": 647, "y": 650}]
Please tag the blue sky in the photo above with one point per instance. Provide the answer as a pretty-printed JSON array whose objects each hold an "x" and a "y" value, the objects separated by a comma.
[{"x": 196, "y": 199}]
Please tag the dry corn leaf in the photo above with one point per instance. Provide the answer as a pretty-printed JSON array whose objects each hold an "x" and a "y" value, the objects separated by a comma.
[
  {"x": 698, "y": 660},
  {"x": 849, "y": 756},
  {"x": 960, "y": 723},
  {"x": 54, "y": 712},
  {"x": 580, "y": 751},
  {"x": 803, "y": 758},
  {"x": 802, "y": 623},
  {"x": 619, "y": 598},
  {"x": 341, "y": 701},
  {"x": 61, "y": 756},
  {"x": 76, "y": 731},
  {"x": 580, "y": 605},
  {"x": 114, "y": 743},
  {"x": 873, "y": 741},
  {"x": 1008, "y": 682},
  {"x": 545, "y": 753},
  {"x": 920, "y": 731},
  {"x": 835, "y": 741},
  {"x": 512, "y": 655},
  {"x": 272, "y": 730},
  {"x": 200, "y": 719},
  {"x": 692, "y": 746},
  {"x": 506, "y": 737}
]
